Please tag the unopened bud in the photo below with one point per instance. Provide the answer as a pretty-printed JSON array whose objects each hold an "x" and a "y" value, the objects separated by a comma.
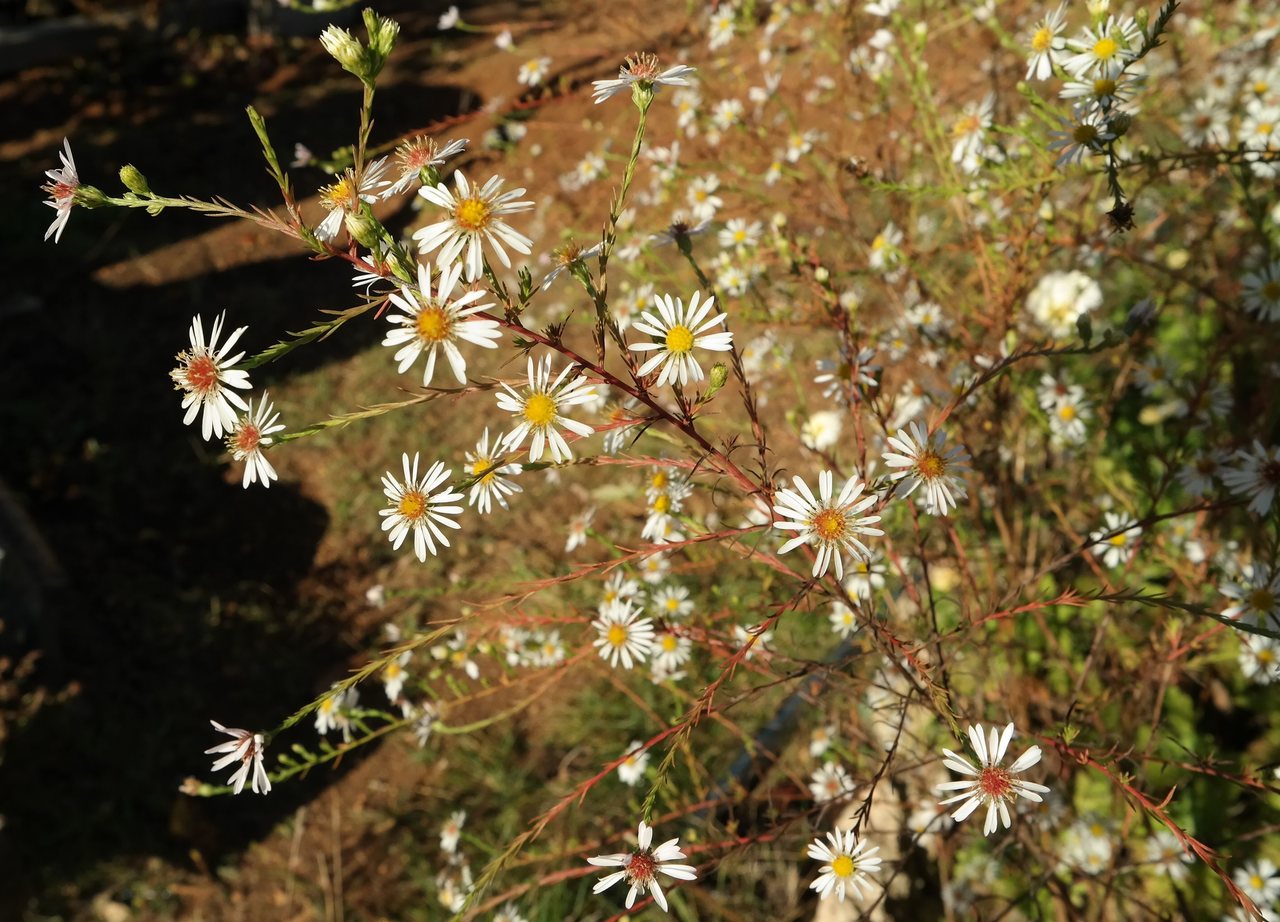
[
  {"x": 133, "y": 179},
  {"x": 1084, "y": 326},
  {"x": 89, "y": 196},
  {"x": 822, "y": 275},
  {"x": 364, "y": 227},
  {"x": 1120, "y": 123},
  {"x": 344, "y": 48},
  {"x": 382, "y": 39},
  {"x": 716, "y": 379}
]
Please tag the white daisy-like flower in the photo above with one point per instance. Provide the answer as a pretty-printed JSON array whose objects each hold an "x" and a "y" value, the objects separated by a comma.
[
  {"x": 886, "y": 252},
  {"x": 569, "y": 258},
  {"x": 488, "y": 465},
  {"x": 866, "y": 576},
  {"x": 640, "y": 868},
  {"x": 1199, "y": 475},
  {"x": 1255, "y": 594},
  {"x": 1162, "y": 852},
  {"x": 343, "y": 197},
  {"x": 830, "y": 522},
  {"x": 924, "y": 460},
  {"x": 475, "y": 218},
  {"x": 207, "y": 375},
  {"x": 394, "y": 675},
  {"x": 1259, "y": 880},
  {"x": 540, "y": 409},
  {"x": 449, "y": 18},
  {"x": 1255, "y": 476},
  {"x": 61, "y": 189},
  {"x": 509, "y": 911},
  {"x": 830, "y": 782},
  {"x": 418, "y": 154},
  {"x": 642, "y": 69},
  {"x": 1059, "y": 298},
  {"x": 671, "y": 651},
  {"x": 1084, "y": 132},
  {"x": 331, "y": 714},
  {"x": 1102, "y": 93},
  {"x": 988, "y": 782},
  {"x": 451, "y": 832},
  {"x": 671, "y": 602},
  {"x": 820, "y": 740},
  {"x": 249, "y": 436},
  {"x": 1045, "y": 41},
  {"x": 1116, "y": 541},
  {"x": 631, "y": 770},
  {"x": 623, "y": 635},
  {"x": 245, "y": 747},
  {"x": 433, "y": 323},
  {"x": 1261, "y": 292},
  {"x": 822, "y": 430},
  {"x": 680, "y": 330},
  {"x": 1104, "y": 50},
  {"x": 846, "y": 863},
  {"x": 844, "y": 620},
  {"x": 534, "y": 71},
  {"x": 415, "y": 508},
  {"x": 578, "y": 527}
]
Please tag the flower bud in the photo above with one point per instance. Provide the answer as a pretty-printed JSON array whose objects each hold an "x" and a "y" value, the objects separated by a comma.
[
  {"x": 382, "y": 39},
  {"x": 364, "y": 227},
  {"x": 133, "y": 179},
  {"x": 716, "y": 379},
  {"x": 344, "y": 48}
]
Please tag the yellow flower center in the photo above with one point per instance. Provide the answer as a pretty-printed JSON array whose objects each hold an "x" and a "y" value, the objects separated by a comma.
[
  {"x": 673, "y": 603},
  {"x": 969, "y": 124},
  {"x": 669, "y": 642},
  {"x": 1066, "y": 412},
  {"x": 1266, "y": 657},
  {"x": 539, "y": 410},
  {"x": 830, "y": 524},
  {"x": 432, "y": 324},
  {"x": 1262, "y": 600},
  {"x": 879, "y": 243},
  {"x": 1117, "y": 540},
  {"x": 659, "y": 480},
  {"x": 1271, "y": 291},
  {"x": 472, "y": 214},
  {"x": 1103, "y": 87},
  {"x": 1042, "y": 39},
  {"x": 662, "y": 505},
  {"x": 842, "y": 866},
  {"x": 679, "y": 339},
  {"x": 617, "y": 635},
  {"x": 1256, "y": 882},
  {"x": 1265, "y": 128},
  {"x": 480, "y": 466},
  {"x": 340, "y": 193},
  {"x": 393, "y": 670},
  {"x": 930, "y": 465},
  {"x": 1105, "y": 49},
  {"x": 412, "y": 505},
  {"x": 1084, "y": 134}
]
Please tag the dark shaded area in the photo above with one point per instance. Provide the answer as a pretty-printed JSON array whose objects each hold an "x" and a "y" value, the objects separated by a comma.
[{"x": 170, "y": 595}]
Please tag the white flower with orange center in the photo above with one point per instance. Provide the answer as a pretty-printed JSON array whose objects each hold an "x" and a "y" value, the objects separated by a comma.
[
  {"x": 924, "y": 461},
  {"x": 830, "y": 782},
  {"x": 623, "y": 636},
  {"x": 678, "y": 331},
  {"x": 671, "y": 651},
  {"x": 1044, "y": 41},
  {"x": 640, "y": 868},
  {"x": 475, "y": 218},
  {"x": 206, "y": 373},
  {"x": 249, "y": 436},
  {"x": 631, "y": 769},
  {"x": 418, "y": 154},
  {"x": 394, "y": 675},
  {"x": 433, "y": 323},
  {"x": 644, "y": 70},
  {"x": 415, "y": 508},
  {"x": 1104, "y": 50},
  {"x": 245, "y": 747},
  {"x": 344, "y": 196},
  {"x": 988, "y": 782},
  {"x": 61, "y": 188},
  {"x": 539, "y": 410},
  {"x": 490, "y": 470},
  {"x": 830, "y": 522},
  {"x": 1116, "y": 541},
  {"x": 847, "y": 862},
  {"x": 533, "y": 71}
]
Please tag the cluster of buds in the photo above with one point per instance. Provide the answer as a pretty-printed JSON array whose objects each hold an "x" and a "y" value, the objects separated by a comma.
[{"x": 364, "y": 61}]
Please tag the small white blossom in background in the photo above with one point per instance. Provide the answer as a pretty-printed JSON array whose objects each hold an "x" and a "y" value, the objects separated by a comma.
[
  {"x": 1255, "y": 592},
  {"x": 209, "y": 380},
  {"x": 720, "y": 29},
  {"x": 1046, "y": 41},
  {"x": 844, "y": 620},
  {"x": 866, "y": 576},
  {"x": 1163, "y": 853},
  {"x": 534, "y": 71},
  {"x": 1261, "y": 290},
  {"x": 1104, "y": 50},
  {"x": 702, "y": 199},
  {"x": 1087, "y": 846},
  {"x": 415, "y": 508},
  {"x": 640, "y": 868},
  {"x": 989, "y": 783},
  {"x": 493, "y": 472},
  {"x": 846, "y": 864},
  {"x": 538, "y": 411},
  {"x": 418, "y": 154},
  {"x": 331, "y": 713},
  {"x": 61, "y": 189},
  {"x": 821, "y": 431},
  {"x": 245, "y": 747},
  {"x": 924, "y": 461},
  {"x": 968, "y": 134},
  {"x": 671, "y": 602},
  {"x": 631, "y": 770},
  {"x": 832, "y": 523},
  {"x": 249, "y": 436},
  {"x": 623, "y": 635},
  {"x": 451, "y": 831},
  {"x": 679, "y": 330},
  {"x": 1259, "y": 880},
  {"x": 642, "y": 69},
  {"x": 449, "y": 19},
  {"x": 433, "y": 323},
  {"x": 475, "y": 218},
  {"x": 509, "y": 912},
  {"x": 743, "y": 635},
  {"x": 1084, "y": 132},
  {"x": 1116, "y": 541},
  {"x": 1067, "y": 408},
  {"x": 820, "y": 740},
  {"x": 1061, "y": 297},
  {"x": 394, "y": 675},
  {"x": 830, "y": 782},
  {"x": 886, "y": 253},
  {"x": 578, "y": 526}
]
